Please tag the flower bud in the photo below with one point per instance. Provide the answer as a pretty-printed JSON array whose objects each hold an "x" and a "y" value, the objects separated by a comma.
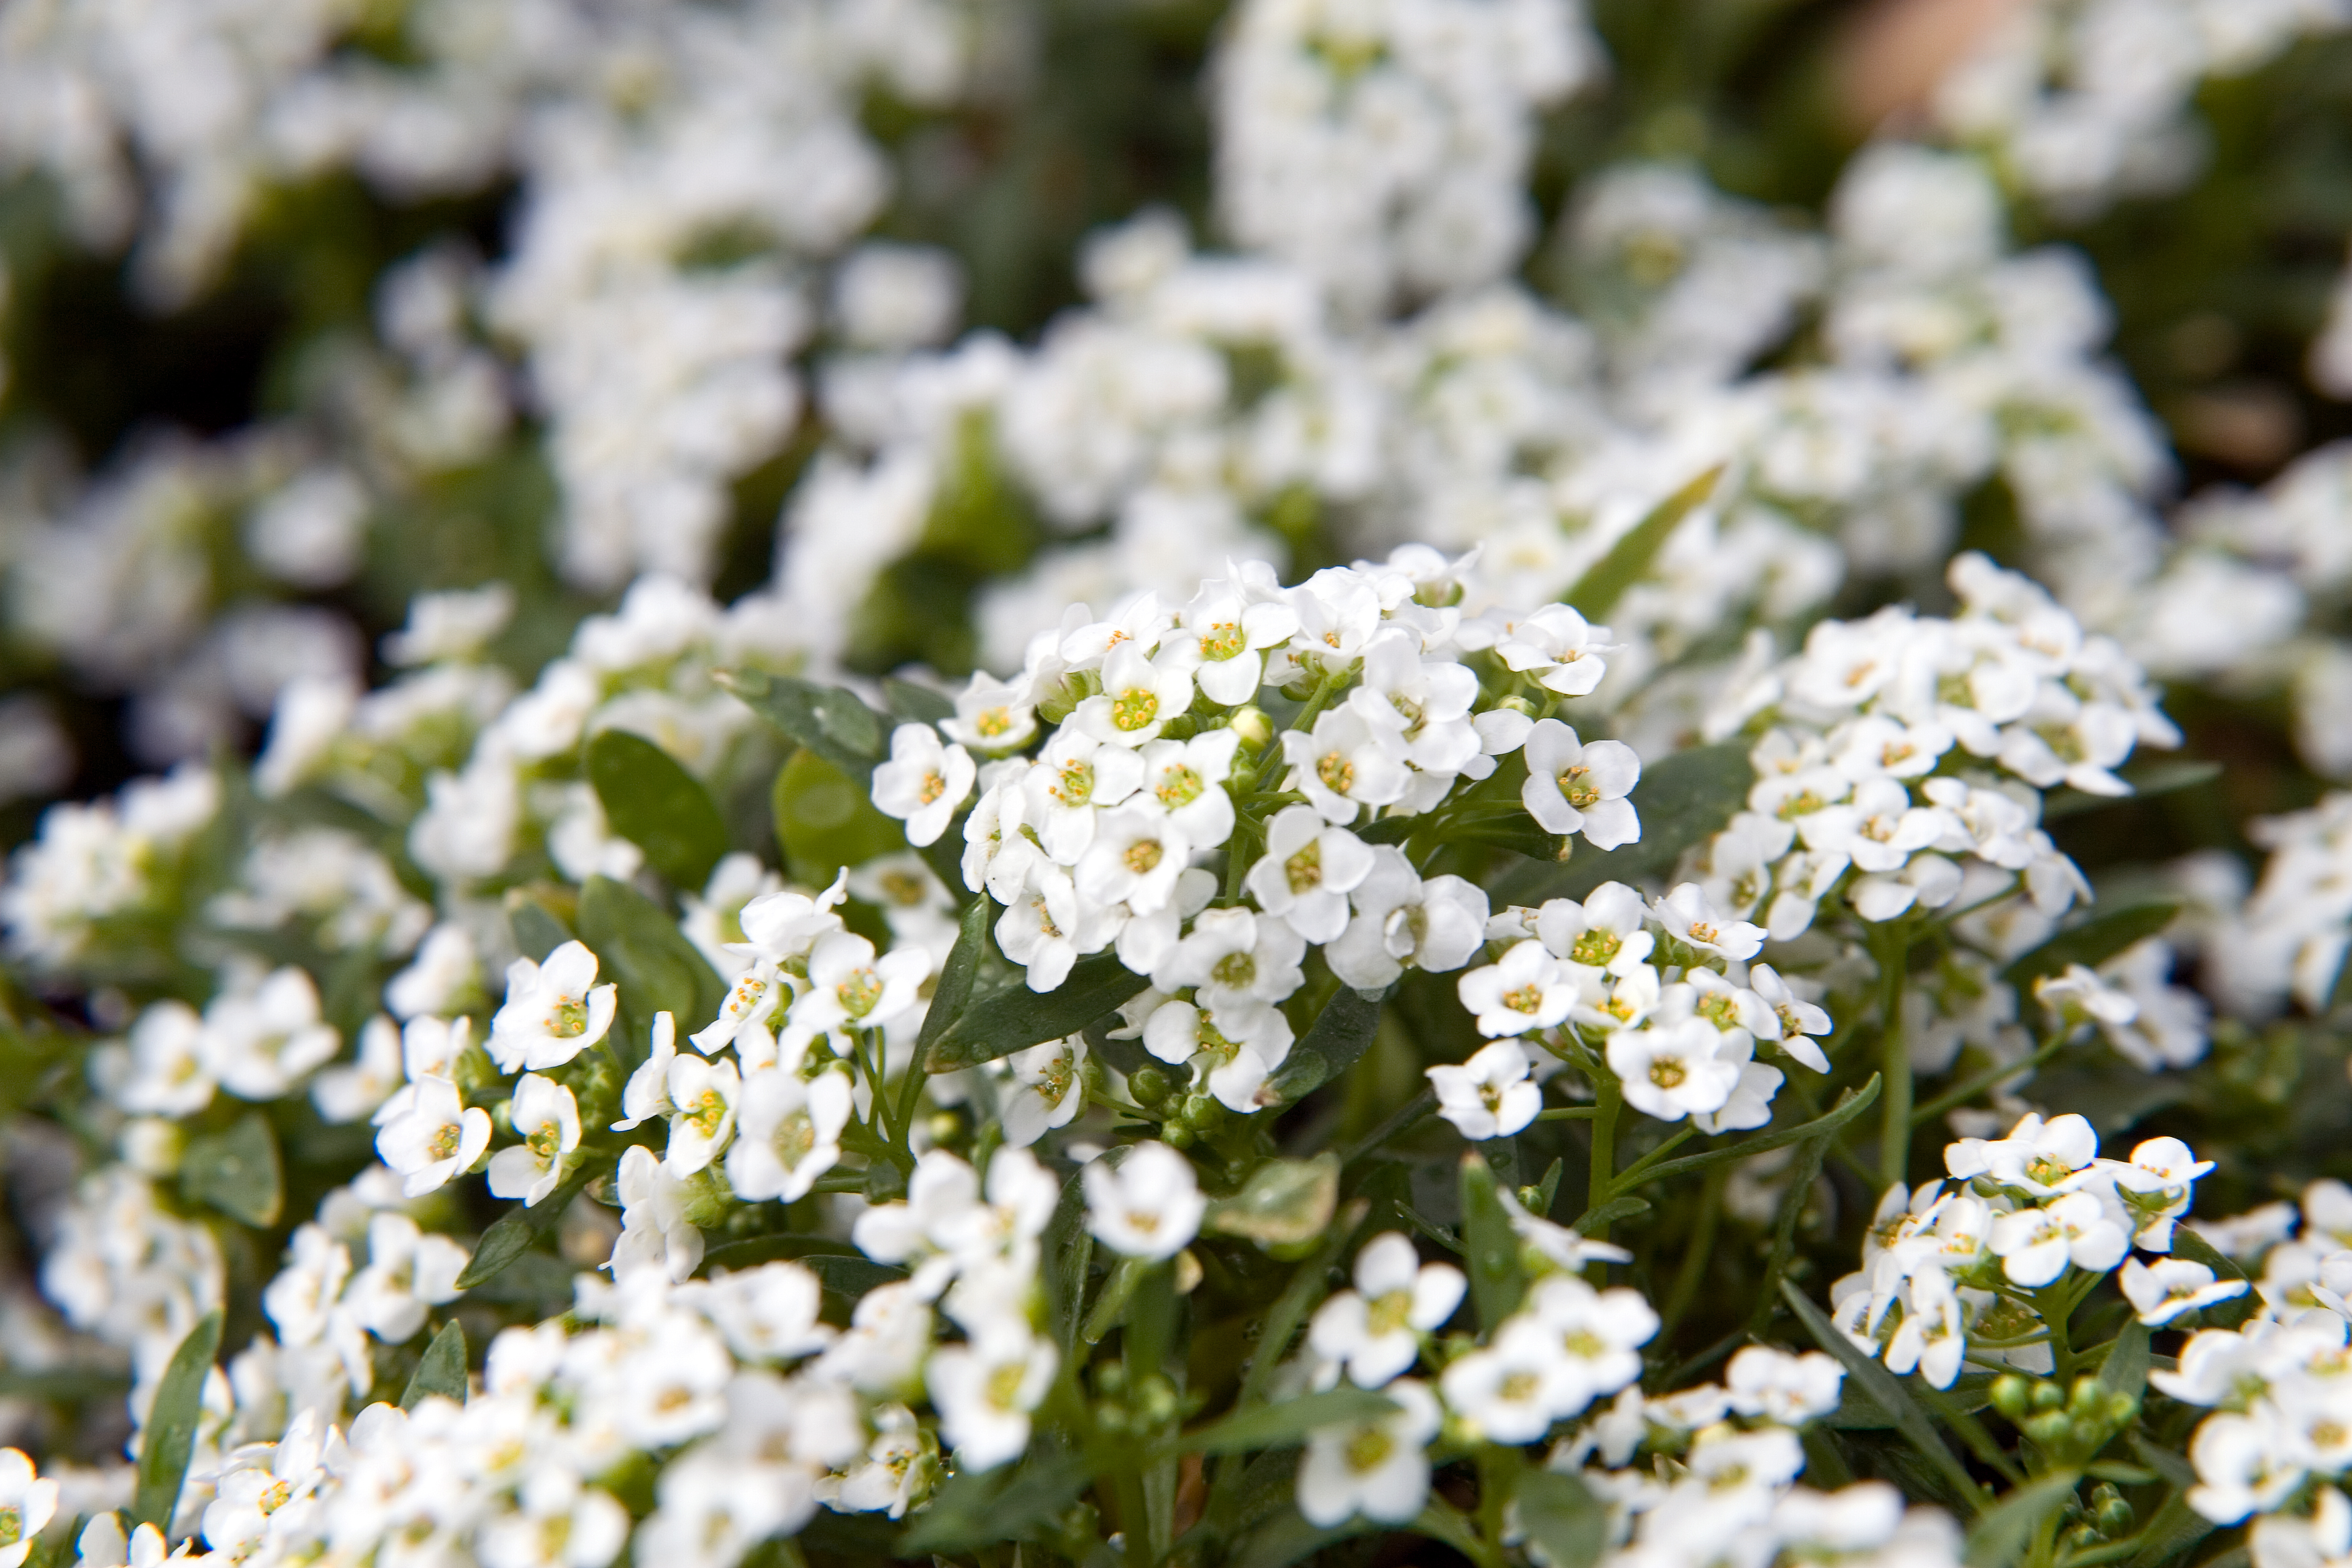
[
  {"x": 2012, "y": 1395},
  {"x": 1176, "y": 1135},
  {"x": 1149, "y": 1085},
  {"x": 1517, "y": 704},
  {"x": 1253, "y": 726},
  {"x": 2048, "y": 1396},
  {"x": 2051, "y": 1429}
]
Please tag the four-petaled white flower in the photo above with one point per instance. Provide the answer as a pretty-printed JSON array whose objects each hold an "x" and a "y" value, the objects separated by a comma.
[
  {"x": 1672, "y": 1070},
  {"x": 1343, "y": 766},
  {"x": 1134, "y": 861},
  {"x": 1697, "y": 923},
  {"x": 547, "y": 1118},
  {"x": 1575, "y": 786},
  {"x": 986, "y": 1389},
  {"x": 1489, "y": 1096},
  {"x": 1186, "y": 779},
  {"x": 1508, "y": 1391},
  {"x": 992, "y": 715},
  {"x": 1372, "y": 1332},
  {"x": 850, "y": 989},
  {"x": 2165, "y": 1289},
  {"x": 788, "y": 1132},
  {"x": 1151, "y": 1207},
  {"x": 1379, "y": 1468},
  {"x": 553, "y": 1011},
  {"x": 1235, "y": 1044},
  {"x": 1140, "y": 693},
  {"x": 1526, "y": 991},
  {"x": 434, "y": 1137},
  {"x": 1048, "y": 1088},
  {"x": 2034, "y": 1245},
  {"x": 923, "y": 782},
  {"x": 1308, "y": 871},
  {"x": 702, "y": 1095}
]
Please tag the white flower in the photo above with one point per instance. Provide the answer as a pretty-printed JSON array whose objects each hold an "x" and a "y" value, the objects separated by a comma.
[
  {"x": 1186, "y": 780},
  {"x": 1790, "y": 1389},
  {"x": 850, "y": 989},
  {"x": 348, "y": 1093},
  {"x": 2244, "y": 1463},
  {"x": 1073, "y": 776},
  {"x": 434, "y": 1137},
  {"x": 168, "y": 1072},
  {"x": 2046, "y": 1158},
  {"x": 1374, "y": 1331},
  {"x": 985, "y": 1391},
  {"x": 1232, "y": 630},
  {"x": 1605, "y": 931},
  {"x": 993, "y": 715},
  {"x": 789, "y": 1132},
  {"x": 751, "y": 1005},
  {"x": 1559, "y": 647},
  {"x": 1134, "y": 859},
  {"x": 646, "y": 1094},
  {"x": 782, "y": 926},
  {"x": 1750, "y": 1105},
  {"x": 1234, "y": 1044},
  {"x": 1671, "y": 1071},
  {"x": 702, "y": 1095},
  {"x": 1403, "y": 922},
  {"x": 561, "y": 1524},
  {"x": 1308, "y": 871},
  {"x": 1877, "y": 828},
  {"x": 1420, "y": 705},
  {"x": 1528, "y": 990},
  {"x": 1508, "y": 1391},
  {"x": 1932, "y": 1337},
  {"x": 655, "y": 1232},
  {"x": 1343, "y": 766},
  {"x": 2035, "y": 1245},
  {"x": 260, "y": 1043},
  {"x": 2172, "y": 1287},
  {"x": 553, "y": 1011},
  {"x": 1489, "y": 1096},
  {"x": 923, "y": 782},
  {"x": 408, "y": 1270},
  {"x": 1378, "y": 1468},
  {"x": 1686, "y": 913},
  {"x": 27, "y": 1505},
  {"x": 1151, "y": 1207},
  {"x": 1800, "y": 1019},
  {"x": 1573, "y": 787},
  {"x": 1048, "y": 925},
  {"x": 1140, "y": 694},
  {"x": 1598, "y": 1334},
  {"x": 547, "y": 1118},
  {"x": 1048, "y": 1090},
  {"x": 1235, "y": 956}
]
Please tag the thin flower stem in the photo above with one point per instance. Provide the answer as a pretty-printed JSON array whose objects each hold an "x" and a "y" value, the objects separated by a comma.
[
  {"x": 1697, "y": 1253},
  {"x": 1569, "y": 1113},
  {"x": 1891, "y": 943},
  {"x": 1983, "y": 1081},
  {"x": 1607, "y": 1097},
  {"x": 1638, "y": 1171}
]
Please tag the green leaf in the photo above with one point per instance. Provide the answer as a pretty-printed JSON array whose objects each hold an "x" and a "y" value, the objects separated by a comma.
[
  {"x": 760, "y": 1250},
  {"x": 1567, "y": 1520},
  {"x": 641, "y": 949},
  {"x": 1069, "y": 1252},
  {"x": 825, "y": 819},
  {"x": 954, "y": 990},
  {"x": 1884, "y": 1392},
  {"x": 2094, "y": 942},
  {"x": 537, "y": 930},
  {"x": 2126, "y": 1369},
  {"x": 171, "y": 1432},
  {"x": 1290, "y": 1422},
  {"x": 1017, "y": 1017},
  {"x": 441, "y": 1370},
  {"x": 1999, "y": 1536},
  {"x": 511, "y": 1234},
  {"x": 986, "y": 1507},
  {"x": 1605, "y": 581},
  {"x": 1286, "y": 1205},
  {"x": 64, "y": 1383},
  {"x": 1339, "y": 1035},
  {"x": 657, "y": 805},
  {"x": 1851, "y": 1104},
  {"x": 1287, "y": 1537},
  {"x": 916, "y": 704},
  {"x": 843, "y": 1281},
  {"x": 1682, "y": 799},
  {"x": 237, "y": 1172},
  {"x": 1610, "y": 1213},
  {"x": 2147, "y": 779},
  {"x": 827, "y": 719},
  {"x": 2174, "y": 1528},
  {"x": 1489, "y": 1246}
]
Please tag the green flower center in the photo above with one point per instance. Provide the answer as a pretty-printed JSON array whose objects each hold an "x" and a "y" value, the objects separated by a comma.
[{"x": 1134, "y": 708}]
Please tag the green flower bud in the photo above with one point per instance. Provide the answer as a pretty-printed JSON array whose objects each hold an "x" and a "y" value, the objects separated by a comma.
[
  {"x": 2012, "y": 1395},
  {"x": 1149, "y": 1085},
  {"x": 2048, "y": 1396},
  {"x": 2051, "y": 1429}
]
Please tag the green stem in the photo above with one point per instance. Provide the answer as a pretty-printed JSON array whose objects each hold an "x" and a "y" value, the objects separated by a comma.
[
  {"x": 1804, "y": 1171},
  {"x": 1983, "y": 1081},
  {"x": 2056, "y": 1307},
  {"x": 1634, "y": 1174},
  {"x": 1972, "y": 1432},
  {"x": 1606, "y": 1097},
  {"x": 1891, "y": 943},
  {"x": 1698, "y": 1254},
  {"x": 1569, "y": 1113}
]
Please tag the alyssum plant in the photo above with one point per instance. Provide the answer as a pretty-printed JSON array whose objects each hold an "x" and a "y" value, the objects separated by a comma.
[{"x": 1198, "y": 1104}]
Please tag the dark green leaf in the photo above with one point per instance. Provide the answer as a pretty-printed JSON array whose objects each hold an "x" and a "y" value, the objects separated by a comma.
[
  {"x": 641, "y": 949},
  {"x": 2126, "y": 1369},
  {"x": 1865, "y": 1370},
  {"x": 2094, "y": 942},
  {"x": 1564, "y": 1519},
  {"x": 2174, "y": 1528},
  {"x": 1069, "y": 1251},
  {"x": 536, "y": 930},
  {"x": 2001, "y": 1533},
  {"x": 825, "y": 819},
  {"x": 511, "y": 1234},
  {"x": 1612, "y": 1211},
  {"x": 657, "y": 805},
  {"x": 985, "y": 1508},
  {"x": 1681, "y": 799},
  {"x": 758, "y": 1249},
  {"x": 1287, "y": 1537},
  {"x": 1489, "y": 1246},
  {"x": 832, "y": 722},
  {"x": 2147, "y": 779},
  {"x": 1017, "y": 1017},
  {"x": 916, "y": 704},
  {"x": 441, "y": 1370},
  {"x": 954, "y": 990},
  {"x": 2174, "y": 1468},
  {"x": 1279, "y": 1426},
  {"x": 846, "y": 1279},
  {"x": 1341, "y": 1034},
  {"x": 1286, "y": 1205},
  {"x": 237, "y": 1172},
  {"x": 171, "y": 1432},
  {"x": 1605, "y": 581}
]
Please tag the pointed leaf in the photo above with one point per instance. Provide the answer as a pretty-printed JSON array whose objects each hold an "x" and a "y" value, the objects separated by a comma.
[
  {"x": 986, "y": 1507},
  {"x": 237, "y": 1172},
  {"x": 2126, "y": 1369},
  {"x": 1489, "y": 1246},
  {"x": 953, "y": 991},
  {"x": 1564, "y": 1519},
  {"x": 1999, "y": 1536},
  {"x": 170, "y": 1433},
  {"x": 2096, "y": 939},
  {"x": 1280, "y": 1425},
  {"x": 1286, "y": 1205},
  {"x": 1339, "y": 1035},
  {"x": 2146, "y": 780},
  {"x": 1017, "y": 1017},
  {"x": 511, "y": 1234},
  {"x": 1851, "y": 1104},
  {"x": 442, "y": 1368},
  {"x": 657, "y": 805},
  {"x": 640, "y": 948},
  {"x": 832, "y": 723},
  {"x": 2174, "y": 1528},
  {"x": 1287, "y": 1537},
  {"x": 916, "y": 704},
  {"x": 1605, "y": 581},
  {"x": 1885, "y": 1391},
  {"x": 825, "y": 819}
]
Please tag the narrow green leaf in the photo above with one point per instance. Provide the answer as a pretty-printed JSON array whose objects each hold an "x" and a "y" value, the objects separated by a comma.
[
  {"x": 657, "y": 805},
  {"x": 825, "y": 819},
  {"x": 1017, "y": 1017},
  {"x": 2147, "y": 779},
  {"x": 2096, "y": 939},
  {"x": 1681, "y": 799},
  {"x": 832, "y": 723},
  {"x": 170, "y": 1433},
  {"x": 441, "y": 1370},
  {"x": 1489, "y": 1246},
  {"x": 641, "y": 949},
  {"x": 1069, "y": 1251},
  {"x": 846, "y": 1281},
  {"x": 511, "y": 1234},
  {"x": 760, "y": 1250},
  {"x": 1278, "y": 1426},
  {"x": 1884, "y": 1392},
  {"x": 1612, "y": 1211},
  {"x": 2175, "y": 1468},
  {"x": 1337, "y": 1038},
  {"x": 2126, "y": 1369},
  {"x": 986, "y": 1507},
  {"x": 916, "y": 704},
  {"x": 1287, "y": 1537},
  {"x": 2174, "y": 1528},
  {"x": 949, "y": 997},
  {"x": 1999, "y": 1536},
  {"x": 1851, "y": 1104},
  {"x": 1567, "y": 1520},
  {"x": 1605, "y": 581},
  {"x": 237, "y": 1172}
]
